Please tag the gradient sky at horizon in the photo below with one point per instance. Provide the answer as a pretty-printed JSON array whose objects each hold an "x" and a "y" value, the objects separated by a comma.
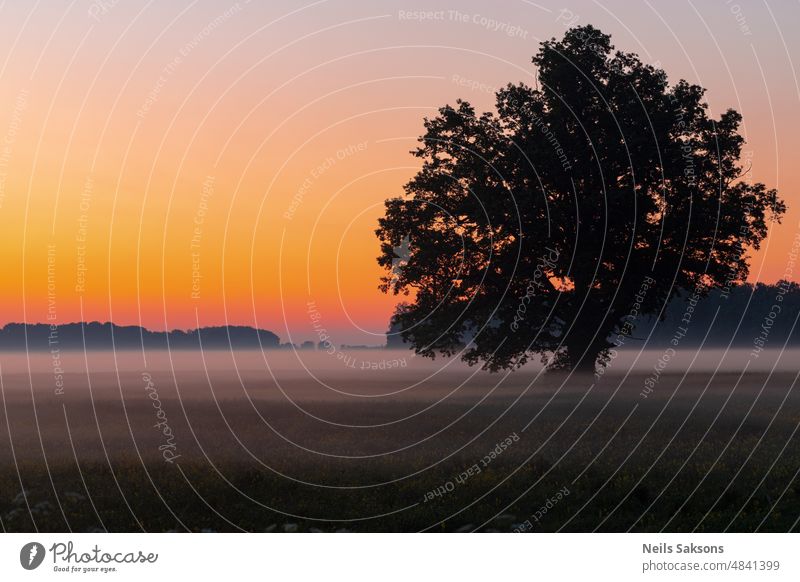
[{"x": 174, "y": 137}]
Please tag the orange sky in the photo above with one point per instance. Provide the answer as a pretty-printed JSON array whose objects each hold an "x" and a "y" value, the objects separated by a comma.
[{"x": 252, "y": 146}]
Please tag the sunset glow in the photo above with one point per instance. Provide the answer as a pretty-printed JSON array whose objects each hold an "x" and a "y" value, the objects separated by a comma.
[{"x": 190, "y": 164}]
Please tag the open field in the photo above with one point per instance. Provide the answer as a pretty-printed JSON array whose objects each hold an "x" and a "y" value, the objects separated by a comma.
[{"x": 276, "y": 444}]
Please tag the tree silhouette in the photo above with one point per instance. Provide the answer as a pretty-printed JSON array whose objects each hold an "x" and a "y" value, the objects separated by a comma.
[{"x": 546, "y": 227}]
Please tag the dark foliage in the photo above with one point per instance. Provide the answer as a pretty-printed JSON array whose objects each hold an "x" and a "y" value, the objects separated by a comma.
[{"x": 535, "y": 230}]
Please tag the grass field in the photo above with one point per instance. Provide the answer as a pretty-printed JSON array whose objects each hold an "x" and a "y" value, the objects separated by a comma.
[{"x": 261, "y": 446}]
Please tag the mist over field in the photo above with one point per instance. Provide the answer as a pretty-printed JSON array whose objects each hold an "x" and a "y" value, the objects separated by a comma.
[
  {"x": 383, "y": 440},
  {"x": 348, "y": 376}
]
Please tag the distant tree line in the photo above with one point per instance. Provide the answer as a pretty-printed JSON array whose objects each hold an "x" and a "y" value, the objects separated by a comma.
[
  {"x": 108, "y": 336},
  {"x": 755, "y": 316}
]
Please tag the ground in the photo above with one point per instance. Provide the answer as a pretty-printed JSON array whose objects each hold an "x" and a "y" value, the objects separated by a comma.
[{"x": 262, "y": 446}]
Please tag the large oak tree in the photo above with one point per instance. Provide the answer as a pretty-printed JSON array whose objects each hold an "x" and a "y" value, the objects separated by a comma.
[{"x": 593, "y": 198}]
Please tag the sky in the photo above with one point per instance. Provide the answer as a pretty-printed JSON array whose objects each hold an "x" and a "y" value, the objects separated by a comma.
[{"x": 191, "y": 163}]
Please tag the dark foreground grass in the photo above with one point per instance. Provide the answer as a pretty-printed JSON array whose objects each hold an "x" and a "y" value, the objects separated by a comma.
[{"x": 193, "y": 498}]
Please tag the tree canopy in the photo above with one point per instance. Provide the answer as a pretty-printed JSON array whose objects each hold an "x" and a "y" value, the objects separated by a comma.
[{"x": 543, "y": 228}]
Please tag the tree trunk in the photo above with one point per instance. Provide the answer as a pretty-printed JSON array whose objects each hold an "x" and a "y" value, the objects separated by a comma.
[
  {"x": 582, "y": 355},
  {"x": 586, "y": 365}
]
